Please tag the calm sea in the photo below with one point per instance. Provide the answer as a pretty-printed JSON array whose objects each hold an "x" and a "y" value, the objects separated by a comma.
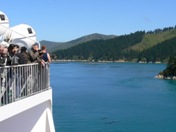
[{"x": 112, "y": 97}]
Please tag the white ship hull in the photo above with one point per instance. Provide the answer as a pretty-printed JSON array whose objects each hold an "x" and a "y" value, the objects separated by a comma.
[{"x": 32, "y": 114}]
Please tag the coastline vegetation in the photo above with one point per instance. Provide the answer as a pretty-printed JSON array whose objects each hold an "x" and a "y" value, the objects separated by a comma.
[{"x": 156, "y": 46}]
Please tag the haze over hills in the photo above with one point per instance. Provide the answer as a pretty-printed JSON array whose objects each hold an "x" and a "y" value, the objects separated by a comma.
[{"x": 53, "y": 46}]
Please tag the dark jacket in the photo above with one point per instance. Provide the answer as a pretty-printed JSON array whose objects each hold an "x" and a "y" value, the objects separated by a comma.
[
  {"x": 33, "y": 56},
  {"x": 23, "y": 58}
]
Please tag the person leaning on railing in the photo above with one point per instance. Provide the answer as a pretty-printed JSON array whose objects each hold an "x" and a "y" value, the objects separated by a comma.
[{"x": 34, "y": 56}]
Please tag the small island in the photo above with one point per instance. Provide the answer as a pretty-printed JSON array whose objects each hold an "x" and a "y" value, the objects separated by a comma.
[{"x": 170, "y": 71}]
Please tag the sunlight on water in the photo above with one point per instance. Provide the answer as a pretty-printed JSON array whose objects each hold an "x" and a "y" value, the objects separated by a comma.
[{"x": 112, "y": 97}]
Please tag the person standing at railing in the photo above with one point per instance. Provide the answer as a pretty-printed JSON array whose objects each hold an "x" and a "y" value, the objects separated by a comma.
[
  {"x": 3, "y": 55},
  {"x": 3, "y": 73},
  {"x": 23, "y": 59},
  {"x": 46, "y": 56},
  {"x": 13, "y": 59},
  {"x": 23, "y": 56},
  {"x": 14, "y": 72},
  {"x": 34, "y": 57}
]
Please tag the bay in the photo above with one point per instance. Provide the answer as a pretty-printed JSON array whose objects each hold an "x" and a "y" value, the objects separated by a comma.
[{"x": 112, "y": 97}]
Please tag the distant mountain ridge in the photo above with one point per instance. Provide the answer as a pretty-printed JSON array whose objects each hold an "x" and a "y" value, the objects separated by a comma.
[
  {"x": 50, "y": 45},
  {"x": 53, "y": 46}
]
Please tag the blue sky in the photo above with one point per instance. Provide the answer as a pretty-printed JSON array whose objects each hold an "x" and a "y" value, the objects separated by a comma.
[{"x": 65, "y": 20}]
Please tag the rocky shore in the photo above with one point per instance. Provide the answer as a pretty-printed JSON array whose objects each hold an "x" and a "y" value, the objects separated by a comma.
[{"x": 167, "y": 77}]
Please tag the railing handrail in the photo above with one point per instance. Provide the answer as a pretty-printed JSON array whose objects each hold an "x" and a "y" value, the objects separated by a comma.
[
  {"x": 20, "y": 65},
  {"x": 20, "y": 81}
]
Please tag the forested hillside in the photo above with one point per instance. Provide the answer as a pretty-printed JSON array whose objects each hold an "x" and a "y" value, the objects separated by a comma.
[
  {"x": 161, "y": 51},
  {"x": 102, "y": 49},
  {"x": 153, "y": 38},
  {"x": 152, "y": 46}
]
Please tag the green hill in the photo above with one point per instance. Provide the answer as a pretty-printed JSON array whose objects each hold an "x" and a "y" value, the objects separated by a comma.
[
  {"x": 160, "y": 52},
  {"x": 140, "y": 46},
  {"x": 151, "y": 40}
]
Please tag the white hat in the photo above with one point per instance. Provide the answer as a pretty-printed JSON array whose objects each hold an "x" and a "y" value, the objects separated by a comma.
[{"x": 5, "y": 44}]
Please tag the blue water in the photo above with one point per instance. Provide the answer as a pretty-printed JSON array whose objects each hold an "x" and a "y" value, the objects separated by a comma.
[{"x": 112, "y": 97}]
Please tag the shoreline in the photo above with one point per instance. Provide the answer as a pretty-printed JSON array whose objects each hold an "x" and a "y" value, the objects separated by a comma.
[
  {"x": 166, "y": 78},
  {"x": 104, "y": 61},
  {"x": 159, "y": 76}
]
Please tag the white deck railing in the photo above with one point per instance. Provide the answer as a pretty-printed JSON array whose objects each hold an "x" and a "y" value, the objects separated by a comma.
[{"x": 21, "y": 81}]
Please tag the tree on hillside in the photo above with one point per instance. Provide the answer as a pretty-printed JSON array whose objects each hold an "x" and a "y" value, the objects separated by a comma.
[
  {"x": 112, "y": 49},
  {"x": 172, "y": 61},
  {"x": 120, "y": 48}
]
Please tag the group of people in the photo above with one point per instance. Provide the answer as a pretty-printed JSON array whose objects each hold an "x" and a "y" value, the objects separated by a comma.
[
  {"x": 14, "y": 55},
  {"x": 25, "y": 80}
]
